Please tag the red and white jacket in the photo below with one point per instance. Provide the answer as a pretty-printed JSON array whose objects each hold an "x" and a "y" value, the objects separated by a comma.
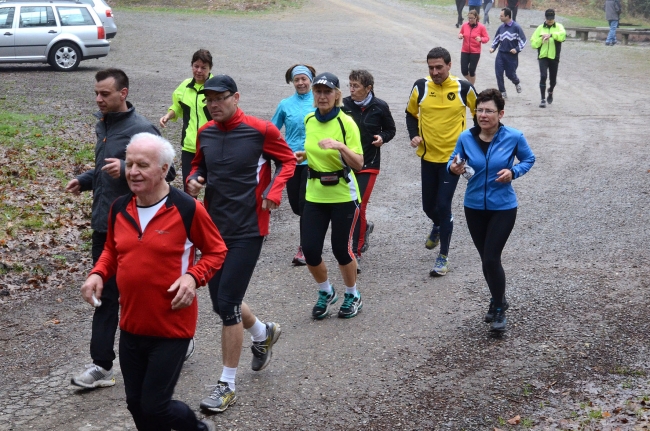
[
  {"x": 147, "y": 263},
  {"x": 234, "y": 158},
  {"x": 469, "y": 32}
]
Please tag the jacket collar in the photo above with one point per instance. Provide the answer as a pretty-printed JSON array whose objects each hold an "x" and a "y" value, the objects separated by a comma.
[
  {"x": 303, "y": 96},
  {"x": 233, "y": 122},
  {"x": 192, "y": 83},
  {"x": 114, "y": 117},
  {"x": 476, "y": 130}
]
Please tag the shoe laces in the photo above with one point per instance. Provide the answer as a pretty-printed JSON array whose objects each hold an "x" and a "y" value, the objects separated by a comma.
[
  {"x": 259, "y": 348},
  {"x": 348, "y": 300},
  {"x": 323, "y": 298},
  {"x": 219, "y": 390},
  {"x": 441, "y": 260}
]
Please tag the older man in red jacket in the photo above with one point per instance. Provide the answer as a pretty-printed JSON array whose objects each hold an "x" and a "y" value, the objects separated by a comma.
[{"x": 150, "y": 248}]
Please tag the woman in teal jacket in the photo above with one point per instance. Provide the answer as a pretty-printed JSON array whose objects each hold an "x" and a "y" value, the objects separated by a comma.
[
  {"x": 291, "y": 114},
  {"x": 188, "y": 104},
  {"x": 490, "y": 200}
]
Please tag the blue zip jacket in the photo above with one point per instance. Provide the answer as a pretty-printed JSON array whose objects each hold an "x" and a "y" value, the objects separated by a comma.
[
  {"x": 483, "y": 192},
  {"x": 291, "y": 113}
]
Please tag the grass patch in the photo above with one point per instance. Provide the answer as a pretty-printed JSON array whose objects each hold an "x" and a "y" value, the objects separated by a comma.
[
  {"x": 626, "y": 371},
  {"x": 221, "y": 7}
]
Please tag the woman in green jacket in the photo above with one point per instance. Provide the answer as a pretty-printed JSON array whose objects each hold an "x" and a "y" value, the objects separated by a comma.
[{"x": 188, "y": 104}]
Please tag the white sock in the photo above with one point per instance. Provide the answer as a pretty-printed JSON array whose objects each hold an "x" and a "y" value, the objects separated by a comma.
[
  {"x": 228, "y": 376},
  {"x": 325, "y": 286},
  {"x": 353, "y": 290},
  {"x": 258, "y": 331}
]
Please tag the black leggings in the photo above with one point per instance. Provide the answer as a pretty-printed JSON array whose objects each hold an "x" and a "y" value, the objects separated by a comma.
[
  {"x": 106, "y": 317},
  {"x": 468, "y": 63},
  {"x": 550, "y": 66},
  {"x": 151, "y": 367},
  {"x": 438, "y": 187},
  {"x": 490, "y": 231},
  {"x": 229, "y": 284},
  {"x": 186, "y": 165},
  {"x": 315, "y": 221},
  {"x": 296, "y": 189}
]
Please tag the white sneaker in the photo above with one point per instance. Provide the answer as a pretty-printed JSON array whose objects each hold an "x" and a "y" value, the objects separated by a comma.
[
  {"x": 518, "y": 87},
  {"x": 504, "y": 95},
  {"x": 94, "y": 377}
]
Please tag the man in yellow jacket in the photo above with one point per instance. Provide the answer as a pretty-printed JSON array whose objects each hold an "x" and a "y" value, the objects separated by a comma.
[
  {"x": 547, "y": 40},
  {"x": 435, "y": 117}
]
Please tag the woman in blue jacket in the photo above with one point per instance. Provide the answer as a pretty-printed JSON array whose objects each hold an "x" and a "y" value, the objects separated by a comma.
[
  {"x": 291, "y": 114},
  {"x": 490, "y": 200}
]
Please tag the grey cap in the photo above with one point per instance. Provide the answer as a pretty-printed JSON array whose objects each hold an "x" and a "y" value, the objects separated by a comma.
[
  {"x": 219, "y": 83},
  {"x": 327, "y": 79}
]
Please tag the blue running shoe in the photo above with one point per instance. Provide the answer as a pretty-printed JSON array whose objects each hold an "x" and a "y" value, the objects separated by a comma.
[{"x": 322, "y": 307}]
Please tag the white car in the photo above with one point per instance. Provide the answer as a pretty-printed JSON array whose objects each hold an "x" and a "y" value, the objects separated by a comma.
[
  {"x": 61, "y": 33},
  {"x": 105, "y": 13}
]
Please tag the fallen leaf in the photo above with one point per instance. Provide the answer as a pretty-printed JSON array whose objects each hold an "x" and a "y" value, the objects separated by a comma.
[
  {"x": 497, "y": 429},
  {"x": 607, "y": 415},
  {"x": 515, "y": 421}
]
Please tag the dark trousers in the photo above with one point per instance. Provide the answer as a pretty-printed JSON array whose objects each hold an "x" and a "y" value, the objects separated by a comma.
[
  {"x": 316, "y": 220},
  {"x": 106, "y": 317},
  {"x": 476, "y": 8},
  {"x": 186, "y": 165},
  {"x": 296, "y": 189},
  {"x": 547, "y": 65},
  {"x": 508, "y": 63},
  {"x": 366, "y": 182},
  {"x": 438, "y": 187},
  {"x": 468, "y": 63},
  {"x": 151, "y": 367},
  {"x": 490, "y": 231},
  {"x": 460, "y": 4},
  {"x": 229, "y": 284},
  {"x": 514, "y": 12}
]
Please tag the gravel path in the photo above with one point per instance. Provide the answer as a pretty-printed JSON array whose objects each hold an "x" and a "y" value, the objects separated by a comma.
[{"x": 418, "y": 356}]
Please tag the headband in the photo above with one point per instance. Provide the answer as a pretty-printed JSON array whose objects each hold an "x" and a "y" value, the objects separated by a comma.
[{"x": 302, "y": 70}]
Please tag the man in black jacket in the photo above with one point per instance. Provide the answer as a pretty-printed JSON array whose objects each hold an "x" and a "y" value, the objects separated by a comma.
[{"x": 118, "y": 122}]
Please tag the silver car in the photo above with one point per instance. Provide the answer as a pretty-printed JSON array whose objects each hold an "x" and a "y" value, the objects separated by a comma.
[
  {"x": 105, "y": 13},
  {"x": 60, "y": 33}
]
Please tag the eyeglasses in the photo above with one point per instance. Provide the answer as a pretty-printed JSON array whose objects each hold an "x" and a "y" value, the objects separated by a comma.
[
  {"x": 486, "y": 111},
  {"x": 355, "y": 86},
  {"x": 216, "y": 100}
]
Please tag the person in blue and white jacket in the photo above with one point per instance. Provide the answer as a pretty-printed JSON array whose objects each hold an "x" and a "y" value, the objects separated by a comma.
[
  {"x": 490, "y": 200},
  {"x": 291, "y": 114},
  {"x": 510, "y": 40}
]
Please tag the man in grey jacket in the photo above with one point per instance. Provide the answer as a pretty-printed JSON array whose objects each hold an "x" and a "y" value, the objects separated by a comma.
[
  {"x": 118, "y": 122},
  {"x": 612, "y": 14}
]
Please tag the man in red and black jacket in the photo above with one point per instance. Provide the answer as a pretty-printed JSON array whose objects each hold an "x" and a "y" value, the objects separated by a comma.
[{"x": 233, "y": 163}]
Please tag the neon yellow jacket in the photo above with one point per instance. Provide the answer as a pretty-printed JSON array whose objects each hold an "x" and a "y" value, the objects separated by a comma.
[
  {"x": 437, "y": 113},
  {"x": 188, "y": 104},
  {"x": 550, "y": 48}
]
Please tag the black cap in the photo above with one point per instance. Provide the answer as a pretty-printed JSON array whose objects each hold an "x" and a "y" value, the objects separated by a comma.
[
  {"x": 327, "y": 79},
  {"x": 549, "y": 14},
  {"x": 220, "y": 83}
]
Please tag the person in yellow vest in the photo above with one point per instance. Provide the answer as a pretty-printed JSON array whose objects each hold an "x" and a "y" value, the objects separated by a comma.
[
  {"x": 436, "y": 115},
  {"x": 189, "y": 105},
  {"x": 547, "y": 40}
]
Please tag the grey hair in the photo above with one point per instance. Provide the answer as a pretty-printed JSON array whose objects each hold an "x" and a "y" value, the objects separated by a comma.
[{"x": 165, "y": 150}]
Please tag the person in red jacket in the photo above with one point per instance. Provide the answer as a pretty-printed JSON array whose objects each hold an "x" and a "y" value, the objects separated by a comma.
[
  {"x": 150, "y": 249},
  {"x": 473, "y": 34},
  {"x": 233, "y": 163}
]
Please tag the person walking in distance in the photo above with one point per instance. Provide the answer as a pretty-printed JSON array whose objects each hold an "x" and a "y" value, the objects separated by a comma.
[
  {"x": 490, "y": 200},
  {"x": 513, "y": 5},
  {"x": 547, "y": 40},
  {"x": 291, "y": 114},
  {"x": 150, "y": 248},
  {"x": 487, "y": 5},
  {"x": 117, "y": 123},
  {"x": 460, "y": 5},
  {"x": 475, "y": 5},
  {"x": 377, "y": 127},
  {"x": 509, "y": 40},
  {"x": 436, "y": 115},
  {"x": 233, "y": 163},
  {"x": 473, "y": 34},
  {"x": 612, "y": 15}
]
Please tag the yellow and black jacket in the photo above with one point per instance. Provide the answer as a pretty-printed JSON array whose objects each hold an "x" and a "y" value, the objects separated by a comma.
[{"x": 438, "y": 114}]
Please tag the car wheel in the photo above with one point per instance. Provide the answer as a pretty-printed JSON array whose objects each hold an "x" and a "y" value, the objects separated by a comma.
[{"x": 65, "y": 57}]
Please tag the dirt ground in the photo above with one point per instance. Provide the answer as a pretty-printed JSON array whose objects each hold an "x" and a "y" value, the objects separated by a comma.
[{"x": 418, "y": 356}]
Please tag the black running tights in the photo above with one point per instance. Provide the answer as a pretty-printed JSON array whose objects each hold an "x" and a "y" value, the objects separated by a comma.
[
  {"x": 490, "y": 231},
  {"x": 550, "y": 66}
]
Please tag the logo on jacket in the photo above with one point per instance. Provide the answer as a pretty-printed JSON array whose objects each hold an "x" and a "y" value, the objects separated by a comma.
[
  {"x": 451, "y": 96},
  {"x": 162, "y": 232}
]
